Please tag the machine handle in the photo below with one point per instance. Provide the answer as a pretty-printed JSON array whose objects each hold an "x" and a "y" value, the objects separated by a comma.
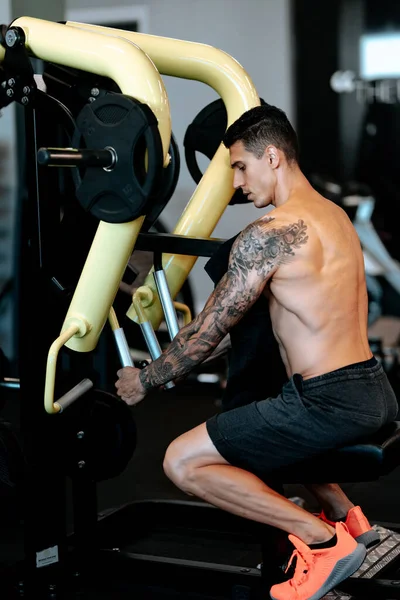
[
  {"x": 73, "y": 394},
  {"x": 53, "y": 407}
]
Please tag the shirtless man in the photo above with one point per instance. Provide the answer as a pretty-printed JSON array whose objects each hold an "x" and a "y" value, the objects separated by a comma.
[{"x": 305, "y": 256}]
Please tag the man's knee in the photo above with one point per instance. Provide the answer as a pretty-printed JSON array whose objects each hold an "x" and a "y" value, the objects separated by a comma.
[
  {"x": 177, "y": 465},
  {"x": 187, "y": 454}
]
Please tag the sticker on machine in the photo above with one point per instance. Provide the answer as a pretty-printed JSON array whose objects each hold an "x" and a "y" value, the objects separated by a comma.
[{"x": 47, "y": 557}]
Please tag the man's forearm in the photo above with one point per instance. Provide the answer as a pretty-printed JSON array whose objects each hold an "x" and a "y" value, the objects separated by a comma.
[
  {"x": 184, "y": 353},
  {"x": 221, "y": 350}
]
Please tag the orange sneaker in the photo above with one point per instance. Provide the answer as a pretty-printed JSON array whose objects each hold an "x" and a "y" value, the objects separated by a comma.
[
  {"x": 319, "y": 571},
  {"x": 358, "y": 526}
]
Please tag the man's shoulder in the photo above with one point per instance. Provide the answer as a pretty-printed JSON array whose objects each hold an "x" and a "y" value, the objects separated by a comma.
[
  {"x": 272, "y": 238},
  {"x": 276, "y": 221}
]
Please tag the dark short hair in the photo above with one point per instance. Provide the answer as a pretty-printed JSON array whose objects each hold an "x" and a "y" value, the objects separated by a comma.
[{"x": 261, "y": 126}]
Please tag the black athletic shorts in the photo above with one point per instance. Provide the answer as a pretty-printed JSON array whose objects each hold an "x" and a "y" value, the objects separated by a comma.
[{"x": 308, "y": 417}]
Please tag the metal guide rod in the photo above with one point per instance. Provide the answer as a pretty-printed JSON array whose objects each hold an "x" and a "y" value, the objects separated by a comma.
[
  {"x": 164, "y": 294},
  {"x": 123, "y": 348},
  {"x": 151, "y": 340},
  {"x": 149, "y": 335},
  {"x": 120, "y": 340},
  {"x": 153, "y": 345}
]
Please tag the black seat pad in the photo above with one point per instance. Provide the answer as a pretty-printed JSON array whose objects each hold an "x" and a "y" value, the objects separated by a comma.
[{"x": 366, "y": 460}]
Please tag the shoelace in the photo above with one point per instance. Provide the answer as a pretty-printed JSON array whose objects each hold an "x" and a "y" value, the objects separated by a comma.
[{"x": 304, "y": 562}]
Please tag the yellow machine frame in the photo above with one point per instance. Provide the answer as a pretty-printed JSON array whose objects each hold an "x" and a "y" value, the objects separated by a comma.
[
  {"x": 135, "y": 62},
  {"x": 209, "y": 65}
]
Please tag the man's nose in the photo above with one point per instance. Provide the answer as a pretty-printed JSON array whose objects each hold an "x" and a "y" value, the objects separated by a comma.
[{"x": 237, "y": 180}]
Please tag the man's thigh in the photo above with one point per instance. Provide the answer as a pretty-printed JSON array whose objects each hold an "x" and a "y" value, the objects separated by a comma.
[
  {"x": 195, "y": 446},
  {"x": 264, "y": 436}
]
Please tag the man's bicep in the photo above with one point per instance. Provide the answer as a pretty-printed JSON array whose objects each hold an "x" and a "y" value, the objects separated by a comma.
[
  {"x": 256, "y": 255},
  {"x": 233, "y": 296},
  {"x": 251, "y": 265}
]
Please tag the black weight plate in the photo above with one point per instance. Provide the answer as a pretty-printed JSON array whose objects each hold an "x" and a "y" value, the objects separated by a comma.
[
  {"x": 168, "y": 185},
  {"x": 205, "y": 135},
  {"x": 130, "y": 128},
  {"x": 111, "y": 436},
  {"x": 100, "y": 436}
]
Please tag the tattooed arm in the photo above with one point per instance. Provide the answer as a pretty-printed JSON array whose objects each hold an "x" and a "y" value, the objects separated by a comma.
[
  {"x": 221, "y": 350},
  {"x": 254, "y": 258}
]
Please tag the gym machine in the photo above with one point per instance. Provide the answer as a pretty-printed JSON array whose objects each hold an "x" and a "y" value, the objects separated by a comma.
[
  {"x": 116, "y": 552},
  {"x": 49, "y": 221}
]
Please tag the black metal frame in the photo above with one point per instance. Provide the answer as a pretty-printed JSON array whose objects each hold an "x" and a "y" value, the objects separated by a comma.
[
  {"x": 45, "y": 486},
  {"x": 171, "y": 243}
]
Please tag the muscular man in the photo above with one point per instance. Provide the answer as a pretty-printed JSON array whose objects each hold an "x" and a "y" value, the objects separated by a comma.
[{"x": 305, "y": 257}]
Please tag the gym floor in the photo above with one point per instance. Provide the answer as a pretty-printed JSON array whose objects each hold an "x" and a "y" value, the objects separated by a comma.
[{"x": 161, "y": 418}]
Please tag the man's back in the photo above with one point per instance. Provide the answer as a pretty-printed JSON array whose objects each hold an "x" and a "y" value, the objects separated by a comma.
[{"x": 318, "y": 298}]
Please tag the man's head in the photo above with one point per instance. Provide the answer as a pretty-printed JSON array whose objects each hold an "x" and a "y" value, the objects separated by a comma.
[{"x": 260, "y": 141}]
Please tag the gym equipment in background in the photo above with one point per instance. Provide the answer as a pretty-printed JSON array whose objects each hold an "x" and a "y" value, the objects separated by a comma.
[{"x": 382, "y": 270}]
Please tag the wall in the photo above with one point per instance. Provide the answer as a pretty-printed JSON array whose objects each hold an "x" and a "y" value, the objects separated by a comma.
[{"x": 257, "y": 34}]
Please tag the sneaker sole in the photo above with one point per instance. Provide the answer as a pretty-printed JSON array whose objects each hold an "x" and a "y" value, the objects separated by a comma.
[
  {"x": 343, "y": 569},
  {"x": 369, "y": 538}
]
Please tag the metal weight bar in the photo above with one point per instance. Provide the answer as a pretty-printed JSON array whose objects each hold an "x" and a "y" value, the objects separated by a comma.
[{"x": 71, "y": 157}]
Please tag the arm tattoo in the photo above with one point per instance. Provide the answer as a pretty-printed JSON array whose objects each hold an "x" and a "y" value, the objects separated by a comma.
[{"x": 256, "y": 254}]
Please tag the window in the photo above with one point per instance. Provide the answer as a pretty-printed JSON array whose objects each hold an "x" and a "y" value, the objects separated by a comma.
[{"x": 380, "y": 56}]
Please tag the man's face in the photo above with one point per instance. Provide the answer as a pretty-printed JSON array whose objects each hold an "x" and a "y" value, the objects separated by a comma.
[{"x": 253, "y": 175}]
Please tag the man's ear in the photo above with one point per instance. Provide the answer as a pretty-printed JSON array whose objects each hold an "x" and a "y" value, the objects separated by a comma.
[{"x": 273, "y": 156}]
